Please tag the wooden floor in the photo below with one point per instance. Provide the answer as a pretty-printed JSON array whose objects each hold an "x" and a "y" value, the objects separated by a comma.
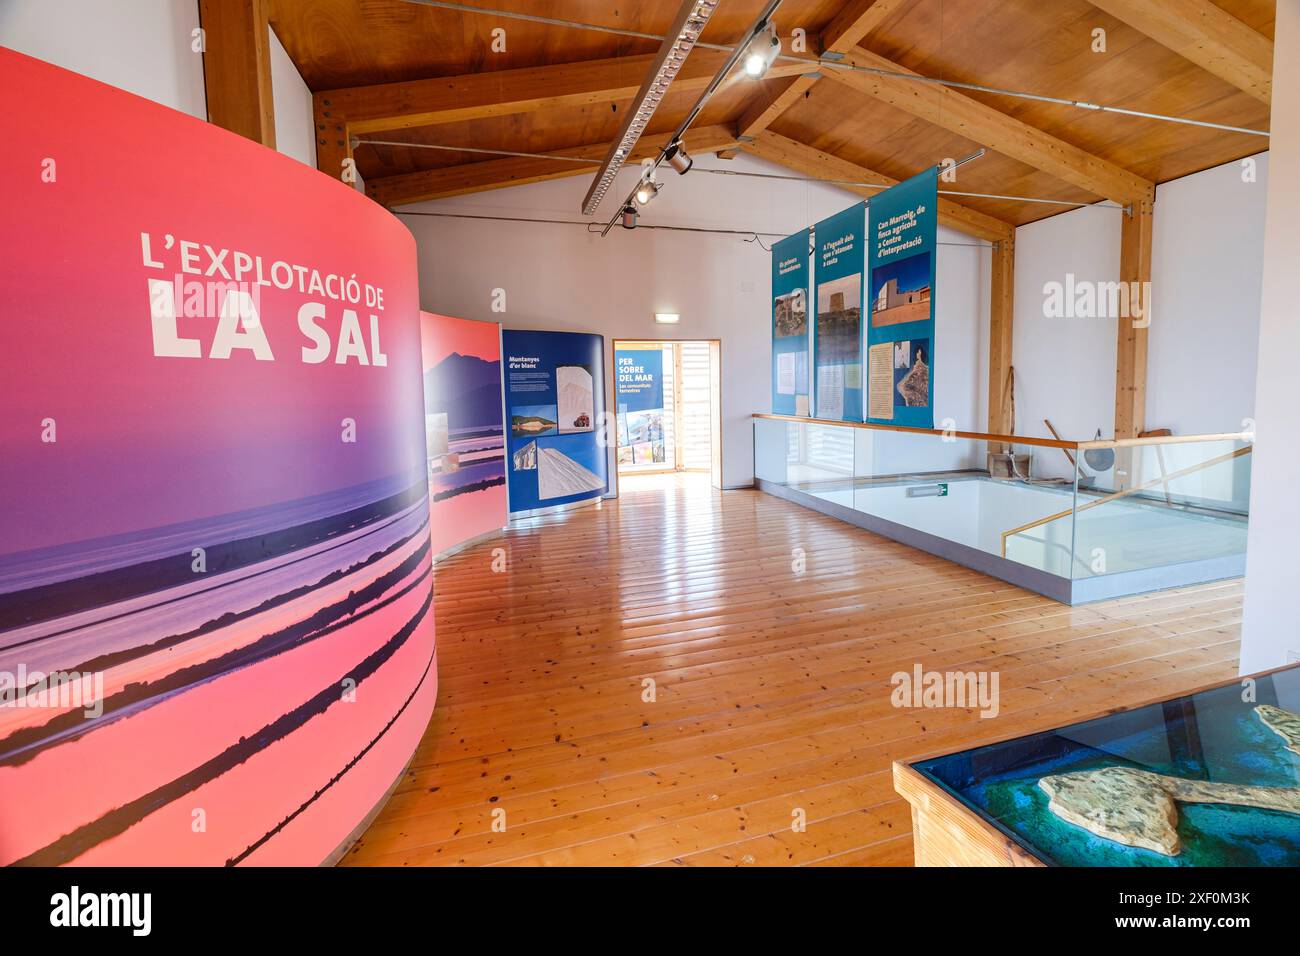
[{"x": 772, "y": 688}]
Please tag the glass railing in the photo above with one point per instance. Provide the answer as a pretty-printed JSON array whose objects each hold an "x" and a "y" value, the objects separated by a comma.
[
  {"x": 1072, "y": 509},
  {"x": 1161, "y": 502}
]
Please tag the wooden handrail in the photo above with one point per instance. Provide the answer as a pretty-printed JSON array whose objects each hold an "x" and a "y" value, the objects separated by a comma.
[
  {"x": 1018, "y": 439},
  {"x": 975, "y": 436},
  {"x": 1163, "y": 479},
  {"x": 1164, "y": 440}
]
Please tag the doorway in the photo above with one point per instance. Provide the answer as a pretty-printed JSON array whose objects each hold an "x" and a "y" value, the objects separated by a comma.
[{"x": 668, "y": 397}]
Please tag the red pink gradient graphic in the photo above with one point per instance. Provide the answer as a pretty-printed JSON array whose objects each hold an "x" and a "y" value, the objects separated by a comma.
[
  {"x": 221, "y": 513},
  {"x": 464, "y": 428}
]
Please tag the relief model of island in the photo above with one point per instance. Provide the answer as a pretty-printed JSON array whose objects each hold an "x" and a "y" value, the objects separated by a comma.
[{"x": 1138, "y": 808}]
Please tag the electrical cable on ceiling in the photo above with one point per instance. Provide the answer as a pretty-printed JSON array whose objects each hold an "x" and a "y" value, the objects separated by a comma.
[
  {"x": 823, "y": 63},
  {"x": 1104, "y": 204}
]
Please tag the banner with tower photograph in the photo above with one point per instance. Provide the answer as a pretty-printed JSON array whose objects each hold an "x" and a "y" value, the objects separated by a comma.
[{"x": 837, "y": 341}]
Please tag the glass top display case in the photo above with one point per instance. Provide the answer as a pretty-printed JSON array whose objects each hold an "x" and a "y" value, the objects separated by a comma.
[{"x": 1210, "y": 779}]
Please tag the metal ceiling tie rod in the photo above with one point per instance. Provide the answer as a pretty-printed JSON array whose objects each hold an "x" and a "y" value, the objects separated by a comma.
[
  {"x": 1105, "y": 204},
  {"x": 590, "y": 223},
  {"x": 556, "y": 22},
  {"x": 479, "y": 149},
  {"x": 838, "y": 63},
  {"x": 1021, "y": 94},
  {"x": 978, "y": 154}
]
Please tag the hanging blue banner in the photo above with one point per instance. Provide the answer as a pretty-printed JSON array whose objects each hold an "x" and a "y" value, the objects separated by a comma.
[
  {"x": 790, "y": 325},
  {"x": 900, "y": 334},
  {"x": 837, "y": 337}
]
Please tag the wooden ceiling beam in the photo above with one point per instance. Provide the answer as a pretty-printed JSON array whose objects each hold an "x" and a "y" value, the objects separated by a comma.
[
  {"x": 1002, "y": 311},
  {"x": 855, "y": 21},
  {"x": 490, "y": 174},
  {"x": 802, "y": 158},
  {"x": 456, "y": 99},
  {"x": 967, "y": 117},
  {"x": 237, "y": 67},
  {"x": 1207, "y": 35},
  {"x": 1133, "y": 333}
]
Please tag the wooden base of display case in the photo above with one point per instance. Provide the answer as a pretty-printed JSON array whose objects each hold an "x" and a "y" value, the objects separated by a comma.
[{"x": 946, "y": 833}]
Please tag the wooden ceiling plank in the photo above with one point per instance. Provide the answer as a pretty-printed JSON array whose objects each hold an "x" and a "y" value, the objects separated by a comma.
[
  {"x": 477, "y": 177},
  {"x": 768, "y": 107},
  {"x": 1207, "y": 35},
  {"x": 802, "y": 158},
  {"x": 855, "y": 21},
  {"x": 948, "y": 109}
]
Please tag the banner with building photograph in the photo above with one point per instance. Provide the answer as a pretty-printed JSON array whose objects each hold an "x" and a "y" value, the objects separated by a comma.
[
  {"x": 900, "y": 333},
  {"x": 790, "y": 325},
  {"x": 837, "y": 340}
]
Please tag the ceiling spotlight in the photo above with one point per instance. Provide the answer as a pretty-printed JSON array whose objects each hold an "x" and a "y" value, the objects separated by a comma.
[
  {"x": 629, "y": 216},
  {"x": 679, "y": 159},
  {"x": 646, "y": 191},
  {"x": 762, "y": 52}
]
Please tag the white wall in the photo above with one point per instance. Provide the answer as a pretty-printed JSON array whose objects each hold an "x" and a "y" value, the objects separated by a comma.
[
  {"x": 1206, "y": 256},
  {"x": 1207, "y": 245},
  {"x": 295, "y": 133},
  {"x": 1065, "y": 368},
  {"x": 143, "y": 46},
  {"x": 1270, "y": 635},
  {"x": 561, "y": 277}
]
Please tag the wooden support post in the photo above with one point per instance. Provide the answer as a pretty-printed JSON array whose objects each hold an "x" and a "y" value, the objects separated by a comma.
[
  {"x": 1001, "y": 313},
  {"x": 333, "y": 139},
  {"x": 1131, "y": 350},
  {"x": 237, "y": 67}
]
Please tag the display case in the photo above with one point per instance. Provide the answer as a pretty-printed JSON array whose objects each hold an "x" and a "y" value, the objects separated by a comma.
[{"x": 1209, "y": 779}]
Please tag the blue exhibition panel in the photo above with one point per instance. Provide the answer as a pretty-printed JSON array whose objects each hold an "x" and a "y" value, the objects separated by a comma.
[{"x": 555, "y": 410}]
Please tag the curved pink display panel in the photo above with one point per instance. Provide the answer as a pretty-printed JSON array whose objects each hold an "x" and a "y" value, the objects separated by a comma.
[
  {"x": 213, "y": 500},
  {"x": 464, "y": 430}
]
